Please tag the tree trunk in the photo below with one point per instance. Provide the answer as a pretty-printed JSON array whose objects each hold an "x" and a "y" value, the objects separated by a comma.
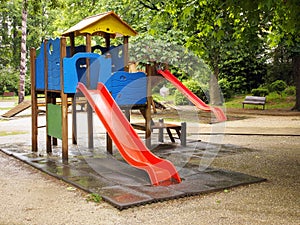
[
  {"x": 296, "y": 72},
  {"x": 23, "y": 53},
  {"x": 214, "y": 90}
]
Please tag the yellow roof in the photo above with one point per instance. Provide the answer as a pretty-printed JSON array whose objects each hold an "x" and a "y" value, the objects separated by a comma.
[{"x": 107, "y": 22}]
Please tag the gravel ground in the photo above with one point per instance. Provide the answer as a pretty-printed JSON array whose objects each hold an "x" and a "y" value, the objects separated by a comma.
[{"x": 29, "y": 196}]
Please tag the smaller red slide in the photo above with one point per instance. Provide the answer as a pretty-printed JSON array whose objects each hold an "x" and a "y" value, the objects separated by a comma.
[
  {"x": 218, "y": 112},
  {"x": 130, "y": 146}
]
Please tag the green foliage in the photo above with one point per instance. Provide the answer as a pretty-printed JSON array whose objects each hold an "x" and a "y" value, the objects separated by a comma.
[
  {"x": 180, "y": 99},
  {"x": 260, "y": 92},
  {"x": 290, "y": 91},
  {"x": 195, "y": 87},
  {"x": 9, "y": 79},
  {"x": 233, "y": 37},
  {"x": 225, "y": 87},
  {"x": 281, "y": 66},
  {"x": 239, "y": 84},
  {"x": 94, "y": 197},
  {"x": 243, "y": 71},
  {"x": 278, "y": 86},
  {"x": 166, "y": 50}
]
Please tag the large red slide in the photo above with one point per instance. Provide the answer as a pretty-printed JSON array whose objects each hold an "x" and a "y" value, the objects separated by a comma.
[
  {"x": 218, "y": 112},
  {"x": 130, "y": 146}
]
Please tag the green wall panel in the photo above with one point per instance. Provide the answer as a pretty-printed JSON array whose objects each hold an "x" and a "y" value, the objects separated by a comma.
[{"x": 54, "y": 121}]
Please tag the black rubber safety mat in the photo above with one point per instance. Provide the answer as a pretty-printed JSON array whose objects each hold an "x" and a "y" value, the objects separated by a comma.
[{"x": 124, "y": 186}]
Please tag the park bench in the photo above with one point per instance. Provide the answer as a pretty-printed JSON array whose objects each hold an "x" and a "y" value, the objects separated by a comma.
[
  {"x": 8, "y": 94},
  {"x": 255, "y": 100}
]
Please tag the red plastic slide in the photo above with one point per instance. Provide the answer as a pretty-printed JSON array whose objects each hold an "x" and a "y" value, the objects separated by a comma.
[
  {"x": 219, "y": 114},
  {"x": 131, "y": 147}
]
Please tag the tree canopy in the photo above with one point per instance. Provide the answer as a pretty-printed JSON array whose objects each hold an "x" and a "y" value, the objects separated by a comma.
[{"x": 245, "y": 43}]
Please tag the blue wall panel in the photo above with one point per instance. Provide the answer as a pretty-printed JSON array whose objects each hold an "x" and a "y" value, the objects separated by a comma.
[
  {"x": 53, "y": 55},
  {"x": 40, "y": 69},
  {"x": 74, "y": 70},
  {"x": 129, "y": 88}
]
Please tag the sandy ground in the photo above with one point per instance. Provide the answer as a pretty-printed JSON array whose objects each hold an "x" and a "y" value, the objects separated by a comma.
[{"x": 28, "y": 196}]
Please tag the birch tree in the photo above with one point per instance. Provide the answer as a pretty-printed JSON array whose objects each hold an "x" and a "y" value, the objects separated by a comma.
[{"x": 23, "y": 66}]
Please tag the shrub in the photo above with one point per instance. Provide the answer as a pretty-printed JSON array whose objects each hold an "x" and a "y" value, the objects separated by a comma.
[
  {"x": 239, "y": 84},
  {"x": 195, "y": 87},
  {"x": 9, "y": 81},
  {"x": 278, "y": 86},
  {"x": 260, "y": 92},
  {"x": 180, "y": 99},
  {"x": 290, "y": 91},
  {"x": 225, "y": 87}
]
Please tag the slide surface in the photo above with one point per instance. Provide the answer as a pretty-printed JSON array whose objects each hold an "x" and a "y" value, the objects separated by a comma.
[
  {"x": 218, "y": 112},
  {"x": 130, "y": 146}
]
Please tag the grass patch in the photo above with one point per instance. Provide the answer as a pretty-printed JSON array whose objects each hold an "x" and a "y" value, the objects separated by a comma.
[
  {"x": 94, "y": 197},
  {"x": 159, "y": 98},
  {"x": 274, "y": 101},
  {"x": 13, "y": 98},
  {"x": 6, "y": 108},
  {"x": 8, "y": 133},
  {"x": 235, "y": 102}
]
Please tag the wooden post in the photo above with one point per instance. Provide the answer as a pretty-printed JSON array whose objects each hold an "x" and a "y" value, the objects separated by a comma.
[
  {"x": 74, "y": 122},
  {"x": 88, "y": 48},
  {"x": 47, "y": 98},
  {"x": 54, "y": 139},
  {"x": 107, "y": 41},
  {"x": 127, "y": 114},
  {"x": 109, "y": 143},
  {"x": 72, "y": 43},
  {"x": 161, "y": 130},
  {"x": 183, "y": 134},
  {"x": 126, "y": 54},
  {"x": 64, "y": 102},
  {"x": 74, "y": 116},
  {"x": 89, "y": 108},
  {"x": 34, "y": 108},
  {"x": 149, "y": 72}
]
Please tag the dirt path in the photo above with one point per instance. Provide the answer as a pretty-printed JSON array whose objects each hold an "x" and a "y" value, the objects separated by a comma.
[{"x": 30, "y": 197}]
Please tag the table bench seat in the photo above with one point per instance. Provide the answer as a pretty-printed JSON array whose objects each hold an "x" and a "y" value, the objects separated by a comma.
[{"x": 180, "y": 130}]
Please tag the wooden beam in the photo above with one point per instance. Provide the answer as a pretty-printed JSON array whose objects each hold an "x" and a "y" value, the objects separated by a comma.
[
  {"x": 109, "y": 143},
  {"x": 74, "y": 116},
  {"x": 54, "y": 139},
  {"x": 149, "y": 72},
  {"x": 72, "y": 44},
  {"x": 107, "y": 41},
  {"x": 47, "y": 97},
  {"x": 34, "y": 107},
  {"x": 64, "y": 102},
  {"x": 89, "y": 108},
  {"x": 126, "y": 54}
]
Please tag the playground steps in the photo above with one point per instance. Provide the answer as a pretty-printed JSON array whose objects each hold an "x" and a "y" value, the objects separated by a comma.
[{"x": 17, "y": 109}]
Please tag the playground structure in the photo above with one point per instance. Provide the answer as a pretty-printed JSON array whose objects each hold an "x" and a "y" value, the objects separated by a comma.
[{"x": 60, "y": 72}]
